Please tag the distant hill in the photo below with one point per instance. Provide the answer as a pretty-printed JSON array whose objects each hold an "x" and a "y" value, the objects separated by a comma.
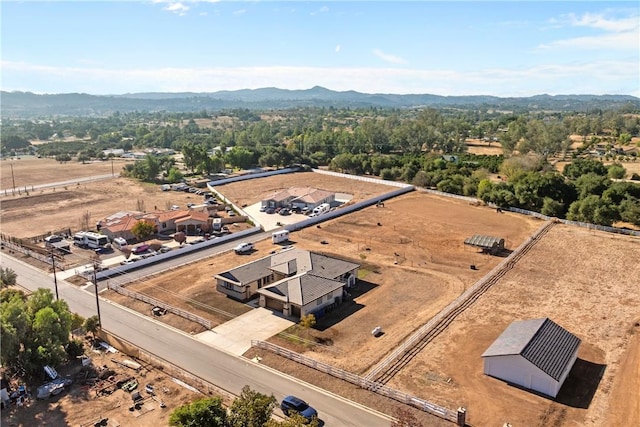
[{"x": 27, "y": 104}]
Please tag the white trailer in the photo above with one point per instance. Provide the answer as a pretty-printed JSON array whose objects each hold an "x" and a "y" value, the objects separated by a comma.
[
  {"x": 322, "y": 209},
  {"x": 280, "y": 236}
]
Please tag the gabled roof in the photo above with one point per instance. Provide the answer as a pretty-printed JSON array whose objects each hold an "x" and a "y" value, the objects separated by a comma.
[
  {"x": 194, "y": 216},
  {"x": 542, "y": 342},
  {"x": 483, "y": 241},
  {"x": 302, "y": 289}
]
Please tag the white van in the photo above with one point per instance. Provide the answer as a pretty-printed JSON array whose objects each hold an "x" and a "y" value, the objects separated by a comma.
[
  {"x": 322, "y": 209},
  {"x": 280, "y": 236}
]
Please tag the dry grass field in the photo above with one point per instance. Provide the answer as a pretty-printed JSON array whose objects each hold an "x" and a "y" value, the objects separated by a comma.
[
  {"x": 51, "y": 209},
  {"x": 414, "y": 263}
]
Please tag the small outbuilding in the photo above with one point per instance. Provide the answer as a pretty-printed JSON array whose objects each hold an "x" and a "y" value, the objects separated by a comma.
[
  {"x": 535, "y": 354},
  {"x": 488, "y": 244}
]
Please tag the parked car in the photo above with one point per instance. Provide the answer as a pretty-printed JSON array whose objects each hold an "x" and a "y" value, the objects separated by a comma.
[
  {"x": 284, "y": 211},
  {"x": 128, "y": 261},
  {"x": 263, "y": 208},
  {"x": 291, "y": 405},
  {"x": 270, "y": 211},
  {"x": 243, "y": 248},
  {"x": 140, "y": 249}
]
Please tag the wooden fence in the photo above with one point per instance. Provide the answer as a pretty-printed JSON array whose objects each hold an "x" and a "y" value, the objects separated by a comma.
[{"x": 431, "y": 408}]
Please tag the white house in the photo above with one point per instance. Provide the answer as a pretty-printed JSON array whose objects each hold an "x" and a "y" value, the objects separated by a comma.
[{"x": 535, "y": 354}]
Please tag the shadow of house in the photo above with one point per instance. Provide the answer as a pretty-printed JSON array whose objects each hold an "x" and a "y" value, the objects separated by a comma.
[{"x": 347, "y": 308}]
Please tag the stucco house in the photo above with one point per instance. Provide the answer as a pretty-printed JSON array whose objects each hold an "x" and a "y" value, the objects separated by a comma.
[
  {"x": 536, "y": 354},
  {"x": 299, "y": 197},
  {"x": 294, "y": 281}
]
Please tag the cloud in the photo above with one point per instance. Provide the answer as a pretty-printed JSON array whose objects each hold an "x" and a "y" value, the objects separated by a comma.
[
  {"x": 338, "y": 48},
  {"x": 180, "y": 7},
  {"x": 388, "y": 58},
  {"x": 323, "y": 9},
  {"x": 596, "y": 77},
  {"x": 618, "y": 34}
]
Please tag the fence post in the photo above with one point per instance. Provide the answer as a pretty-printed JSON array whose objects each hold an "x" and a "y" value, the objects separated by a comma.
[{"x": 462, "y": 413}]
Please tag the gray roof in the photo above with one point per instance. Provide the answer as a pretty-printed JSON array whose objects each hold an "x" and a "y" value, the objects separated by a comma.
[
  {"x": 483, "y": 241},
  {"x": 248, "y": 273},
  {"x": 290, "y": 262},
  {"x": 330, "y": 268},
  {"x": 542, "y": 342},
  {"x": 302, "y": 289}
]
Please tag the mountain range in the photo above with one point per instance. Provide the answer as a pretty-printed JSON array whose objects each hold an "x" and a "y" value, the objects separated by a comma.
[{"x": 27, "y": 104}]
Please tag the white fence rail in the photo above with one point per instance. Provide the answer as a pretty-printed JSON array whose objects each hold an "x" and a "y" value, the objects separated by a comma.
[
  {"x": 363, "y": 178},
  {"x": 364, "y": 383}
]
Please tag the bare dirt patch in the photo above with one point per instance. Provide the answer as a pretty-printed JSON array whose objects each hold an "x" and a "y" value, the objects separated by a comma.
[
  {"x": 561, "y": 279},
  {"x": 81, "y": 404},
  {"x": 49, "y": 210},
  {"x": 478, "y": 146}
]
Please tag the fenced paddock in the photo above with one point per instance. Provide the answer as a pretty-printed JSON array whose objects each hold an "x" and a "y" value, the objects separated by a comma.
[
  {"x": 157, "y": 303},
  {"x": 457, "y": 416}
]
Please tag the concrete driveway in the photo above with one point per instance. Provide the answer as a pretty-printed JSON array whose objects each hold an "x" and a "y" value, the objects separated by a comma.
[
  {"x": 270, "y": 221},
  {"x": 235, "y": 335}
]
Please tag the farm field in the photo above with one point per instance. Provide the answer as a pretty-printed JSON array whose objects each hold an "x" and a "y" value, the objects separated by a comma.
[
  {"x": 52, "y": 209},
  {"x": 562, "y": 278}
]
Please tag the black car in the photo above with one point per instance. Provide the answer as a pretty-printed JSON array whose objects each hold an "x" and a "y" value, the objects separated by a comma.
[{"x": 291, "y": 405}]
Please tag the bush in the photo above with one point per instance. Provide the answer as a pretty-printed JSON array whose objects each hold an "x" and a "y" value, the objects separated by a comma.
[{"x": 75, "y": 348}]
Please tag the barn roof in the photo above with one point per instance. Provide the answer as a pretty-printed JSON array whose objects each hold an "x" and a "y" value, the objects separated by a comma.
[
  {"x": 542, "y": 342},
  {"x": 483, "y": 241}
]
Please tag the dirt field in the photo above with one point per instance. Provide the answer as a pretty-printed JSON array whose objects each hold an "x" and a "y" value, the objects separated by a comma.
[
  {"x": 560, "y": 279},
  {"x": 80, "y": 405},
  {"x": 51, "y": 209}
]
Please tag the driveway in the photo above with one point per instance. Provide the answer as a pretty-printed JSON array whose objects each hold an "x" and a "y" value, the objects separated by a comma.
[{"x": 235, "y": 335}]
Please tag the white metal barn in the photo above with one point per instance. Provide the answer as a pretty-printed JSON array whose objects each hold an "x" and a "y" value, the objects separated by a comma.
[{"x": 536, "y": 354}]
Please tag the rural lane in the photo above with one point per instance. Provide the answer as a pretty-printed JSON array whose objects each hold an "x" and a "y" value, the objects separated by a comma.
[
  {"x": 62, "y": 183},
  {"x": 212, "y": 365}
]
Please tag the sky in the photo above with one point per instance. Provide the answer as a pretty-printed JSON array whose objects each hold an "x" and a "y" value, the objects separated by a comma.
[{"x": 501, "y": 48}]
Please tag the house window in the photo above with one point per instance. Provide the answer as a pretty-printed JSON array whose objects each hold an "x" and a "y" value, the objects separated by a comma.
[
  {"x": 329, "y": 295},
  {"x": 319, "y": 301},
  {"x": 228, "y": 285},
  {"x": 164, "y": 225}
]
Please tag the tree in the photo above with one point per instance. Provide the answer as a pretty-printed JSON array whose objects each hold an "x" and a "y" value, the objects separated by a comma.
[
  {"x": 143, "y": 230},
  {"x": 581, "y": 167},
  {"x": 92, "y": 324},
  {"x": 251, "y": 409},
  {"x": 616, "y": 171},
  {"x": 180, "y": 237},
  {"x": 7, "y": 277},
  {"x": 308, "y": 321},
  {"x": 207, "y": 412},
  {"x": 174, "y": 175},
  {"x": 294, "y": 420},
  {"x": 35, "y": 330}
]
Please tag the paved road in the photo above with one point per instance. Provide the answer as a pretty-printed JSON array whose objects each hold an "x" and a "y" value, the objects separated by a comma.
[
  {"x": 63, "y": 183},
  {"x": 217, "y": 367}
]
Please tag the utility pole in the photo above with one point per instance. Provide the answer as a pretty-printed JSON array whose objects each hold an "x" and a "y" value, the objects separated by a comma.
[
  {"x": 96, "y": 264},
  {"x": 55, "y": 278},
  {"x": 13, "y": 180}
]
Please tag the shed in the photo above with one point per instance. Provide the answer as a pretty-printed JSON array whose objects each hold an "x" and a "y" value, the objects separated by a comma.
[
  {"x": 535, "y": 354},
  {"x": 493, "y": 245}
]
